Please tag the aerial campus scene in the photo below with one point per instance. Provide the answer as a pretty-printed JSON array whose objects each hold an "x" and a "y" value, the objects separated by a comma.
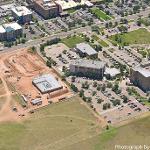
[{"x": 74, "y": 74}]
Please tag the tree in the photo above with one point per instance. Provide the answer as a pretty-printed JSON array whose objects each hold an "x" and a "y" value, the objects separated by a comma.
[
  {"x": 115, "y": 87},
  {"x": 98, "y": 47},
  {"x": 89, "y": 99},
  {"x": 81, "y": 94},
  {"x": 107, "y": 127},
  {"x": 98, "y": 88},
  {"x": 85, "y": 85},
  {"x": 123, "y": 29},
  {"x": 94, "y": 93},
  {"x": 73, "y": 79},
  {"x": 49, "y": 64},
  {"x": 94, "y": 84},
  {"x": 99, "y": 101},
  {"x": 74, "y": 88},
  {"x": 139, "y": 22},
  {"x": 33, "y": 48},
  {"x": 106, "y": 106},
  {"x": 103, "y": 87},
  {"x": 109, "y": 85},
  {"x": 116, "y": 102},
  {"x": 125, "y": 99}
]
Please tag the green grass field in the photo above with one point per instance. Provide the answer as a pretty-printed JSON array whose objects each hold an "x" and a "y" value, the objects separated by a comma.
[
  {"x": 134, "y": 133},
  {"x": 140, "y": 36},
  {"x": 100, "y": 14},
  {"x": 69, "y": 126},
  {"x": 100, "y": 41},
  {"x": 50, "y": 128},
  {"x": 72, "y": 10},
  {"x": 72, "y": 41}
]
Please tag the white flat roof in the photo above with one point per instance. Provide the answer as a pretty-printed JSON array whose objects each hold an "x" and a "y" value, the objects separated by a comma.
[
  {"x": 143, "y": 71},
  {"x": 46, "y": 83},
  {"x": 7, "y": 7},
  {"x": 88, "y": 3},
  {"x": 112, "y": 71},
  {"x": 2, "y": 30},
  {"x": 65, "y": 4},
  {"x": 86, "y": 48},
  {"x": 13, "y": 25},
  {"x": 21, "y": 11},
  {"x": 10, "y": 26}
]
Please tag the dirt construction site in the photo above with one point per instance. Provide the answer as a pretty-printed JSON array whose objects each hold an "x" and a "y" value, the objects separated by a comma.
[{"x": 19, "y": 69}]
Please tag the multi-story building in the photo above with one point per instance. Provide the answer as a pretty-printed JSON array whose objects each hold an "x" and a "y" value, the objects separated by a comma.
[
  {"x": 46, "y": 8},
  {"x": 85, "y": 50},
  {"x": 140, "y": 77},
  {"x": 88, "y": 68},
  {"x": 10, "y": 31},
  {"x": 22, "y": 14}
]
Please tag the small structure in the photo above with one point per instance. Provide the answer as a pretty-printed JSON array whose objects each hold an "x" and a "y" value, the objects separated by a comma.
[
  {"x": 46, "y": 83},
  {"x": 24, "y": 98},
  {"x": 88, "y": 3},
  {"x": 111, "y": 73},
  {"x": 36, "y": 101},
  {"x": 85, "y": 49}
]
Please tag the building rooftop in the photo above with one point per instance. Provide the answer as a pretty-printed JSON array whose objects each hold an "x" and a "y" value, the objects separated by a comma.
[
  {"x": 21, "y": 11},
  {"x": 7, "y": 7},
  {"x": 46, "y": 83},
  {"x": 71, "y": 3},
  {"x": 66, "y": 4},
  {"x": 86, "y": 48},
  {"x": 46, "y": 4},
  {"x": 14, "y": 26},
  {"x": 9, "y": 27},
  {"x": 112, "y": 71},
  {"x": 88, "y": 3},
  {"x": 145, "y": 72},
  {"x": 2, "y": 30},
  {"x": 36, "y": 101},
  {"x": 89, "y": 63}
]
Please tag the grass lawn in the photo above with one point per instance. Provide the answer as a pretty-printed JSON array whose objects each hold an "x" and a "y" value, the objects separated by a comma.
[
  {"x": 70, "y": 11},
  {"x": 69, "y": 126},
  {"x": 100, "y": 14},
  {"x": 50, "y": 128},
  {"x": 72, "y": 41},
  {"x": 100, "y": 41},
  {"x": 134, "y": 133},
  {"x": 140, "y": 36}
]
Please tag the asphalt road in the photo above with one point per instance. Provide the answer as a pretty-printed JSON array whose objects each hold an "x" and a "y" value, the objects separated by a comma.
[{"x": 35, "y": 42}]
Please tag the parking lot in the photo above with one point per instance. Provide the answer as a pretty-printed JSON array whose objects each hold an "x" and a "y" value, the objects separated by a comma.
[
  {"x": 124, "y": 112},
  {"x": 114, "y": 107},
  {"x": 61, "y": 54},
  {"x": 32, "y": 32},
  {"x": 79, "y": 18}
]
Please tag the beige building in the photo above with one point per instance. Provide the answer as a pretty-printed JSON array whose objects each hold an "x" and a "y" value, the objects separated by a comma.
[
  {"x": 46, "y": 8},
  {"x": 141, "y": 78},
  {"x": 88, "y": 68}
]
